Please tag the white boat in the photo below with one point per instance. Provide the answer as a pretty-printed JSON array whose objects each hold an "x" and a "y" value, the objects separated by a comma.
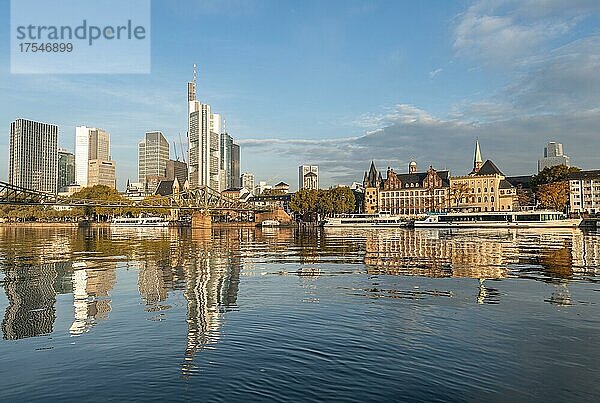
[
  {"x": 140, "y": 222},
  {"x": 366, "y": 220},
  {"x": 270, "y": 223},
  {"x": 498, "y": 219}
]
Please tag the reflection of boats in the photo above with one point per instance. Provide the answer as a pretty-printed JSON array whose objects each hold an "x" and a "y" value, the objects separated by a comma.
[
  {"x": 366, "y": 220},
  {"x": 270, "y": 223},
  {"x": 520, "y": 219},
  {"x": 140, "y": 222}
]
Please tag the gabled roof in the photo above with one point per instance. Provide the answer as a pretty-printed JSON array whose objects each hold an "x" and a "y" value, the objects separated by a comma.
[
  {"x": 164, "y": 188},
  {"x": 281, "y": 184},
  {"x": 504, "y": 184},
  {"x": 489, "y": 168},
  {"x": 419, "y": 177}
]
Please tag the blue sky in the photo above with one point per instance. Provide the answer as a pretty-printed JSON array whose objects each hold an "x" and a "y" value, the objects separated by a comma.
[{"x": 339, "y": 83}]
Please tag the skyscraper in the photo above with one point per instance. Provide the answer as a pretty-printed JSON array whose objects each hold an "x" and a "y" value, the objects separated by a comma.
[
  {"x": 66, "y": 169},
  {"x": 225, "y": 170},
  {"x": 199, "y": 137},
  {"x": 153, "y": 155},
  {"x": 92, "y": 148},
  {"x": 308, "y": 177},
  {"x": 33, "y": 156},
  {"x": 235, "y": 166},
  {"x": 553, "y": 156}
]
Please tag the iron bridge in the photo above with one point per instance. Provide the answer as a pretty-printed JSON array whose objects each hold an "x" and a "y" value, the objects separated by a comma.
[{"x": 202, "y": 198}]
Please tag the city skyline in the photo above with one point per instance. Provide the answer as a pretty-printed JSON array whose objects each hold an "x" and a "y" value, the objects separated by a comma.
[{"x": 433, "y": 83}]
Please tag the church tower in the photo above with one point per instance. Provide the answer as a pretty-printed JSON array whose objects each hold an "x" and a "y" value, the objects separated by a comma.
[{"x": 477, "y": 161}]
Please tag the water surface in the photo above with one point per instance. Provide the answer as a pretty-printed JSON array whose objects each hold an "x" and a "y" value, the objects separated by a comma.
[{"x": 278, "y": 314}]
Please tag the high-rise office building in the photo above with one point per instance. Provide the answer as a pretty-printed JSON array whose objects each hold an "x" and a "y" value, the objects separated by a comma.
[
  {"x": 66, "y": 169},
  {"x": 199, "y": 136},
  {"x": 247, "y": 181},
  {"x": 225, "y": 168},
  {"x": 33, "y": 156},
  {"x": 92, "y": 144},
  {"x": 209, "y": 145},
  {"x": 230, "y": 163},
  {"x": 553, "y": 156},
  {"x": 308, "y": 177},
  {"x": 153, "y": 156},
  {"x": 235, "y": 166},
  {"x": 177, "y": 170}
]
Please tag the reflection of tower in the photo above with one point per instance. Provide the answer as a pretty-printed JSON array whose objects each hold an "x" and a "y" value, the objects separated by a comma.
[
  {"x": 561, "y": 294},
  {"x": 90, "y": 292},
  {"x": 211, "y": 284},
  {"x": 31, "y": 293},
  {"x": 155, "y": 278}
]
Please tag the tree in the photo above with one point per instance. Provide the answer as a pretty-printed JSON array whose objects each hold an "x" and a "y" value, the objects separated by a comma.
[
  {"x": 554, "y": 195},
  {"x": 343, "y": 200},
  {"x": 553, "y": 174},
  {"x": 103, "y": 193},
  {"x": 457, "y": 192},
  {"x": 304, "y": 201},
  {"x": 273, "y": 192}
]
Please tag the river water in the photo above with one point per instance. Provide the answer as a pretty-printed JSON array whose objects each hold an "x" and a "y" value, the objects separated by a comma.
[{"x": 247, "y": 314}]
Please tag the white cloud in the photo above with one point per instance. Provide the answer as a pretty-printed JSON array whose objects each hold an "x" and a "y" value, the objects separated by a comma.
[
  {"x": 509, "y": 31},
  {"x": 434, "y": 73}
]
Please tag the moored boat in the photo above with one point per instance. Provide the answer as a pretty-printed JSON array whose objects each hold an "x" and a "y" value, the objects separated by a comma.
[
  {"x": 366, "y": 220},
  {"x": 270, "y": 223},
  {"x": 519, "y": 219},
  {"x": 138, "y": 222}
]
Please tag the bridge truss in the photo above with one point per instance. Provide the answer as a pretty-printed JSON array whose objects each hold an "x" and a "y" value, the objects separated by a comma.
[{"x": 200, "y": 199}]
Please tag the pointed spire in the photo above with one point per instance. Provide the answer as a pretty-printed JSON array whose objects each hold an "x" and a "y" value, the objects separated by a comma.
[{"x": 477, "y": 160}]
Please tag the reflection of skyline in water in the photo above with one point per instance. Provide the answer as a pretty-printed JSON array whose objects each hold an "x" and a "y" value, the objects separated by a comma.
[
  {"x": 485, "y": 254},
  {"x": 205, "y": 267}
]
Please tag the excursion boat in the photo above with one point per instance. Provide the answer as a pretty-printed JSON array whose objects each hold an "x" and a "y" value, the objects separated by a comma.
[
  {"x": 366, "y": 220},
  {"x": 140, "y": 222},
  {"x": 498, "y": 219},
  {"x": 270, "y": 223}
]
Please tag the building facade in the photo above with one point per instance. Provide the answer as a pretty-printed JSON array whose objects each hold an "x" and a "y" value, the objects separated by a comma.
[
  {"x": 553, "y": 156},
  {"x": 235, "y": 166},
  {"x": 584, "y": 192},
  {"x": 484, "y": 189},
  {"x": 229, "y": 173},
  {"x": 308, "y": 177},
  {"x": 153, "y": 156},
  {"x": 66, "y": 169},
  {"x": 102, "y": 172},
  {"x": 92, "y": 148},
  {"x": 33, "y": 155},
  {"x": 247, "y": 181},
  {"x": 412, "y": 193}
]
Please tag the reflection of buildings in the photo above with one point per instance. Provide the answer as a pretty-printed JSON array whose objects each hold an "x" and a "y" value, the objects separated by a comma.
[
  {"x": 430, "y": 253},
  {"x": 31, "y": 293},
  {"x": 211, "y": 285},
  {"x": 90, "y": 296}
]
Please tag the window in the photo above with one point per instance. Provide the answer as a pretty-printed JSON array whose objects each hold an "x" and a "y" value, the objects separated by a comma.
[
  {"x": 479, "y": 200},
  {"x": 492, "y": 199}
]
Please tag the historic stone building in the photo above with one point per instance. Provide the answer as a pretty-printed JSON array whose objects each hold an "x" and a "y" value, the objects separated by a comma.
[
  {"x": 484, "y": 189},
  {"x": 412, "y": 193}
]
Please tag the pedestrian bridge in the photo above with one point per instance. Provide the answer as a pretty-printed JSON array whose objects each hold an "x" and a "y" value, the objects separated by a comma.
[{"x": 202, "y": 199}]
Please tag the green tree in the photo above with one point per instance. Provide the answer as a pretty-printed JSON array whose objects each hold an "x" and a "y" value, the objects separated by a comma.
[
  {"x": 553, "y": 174},
  {"x": 343, "y": 200},
  {"x": 304, "y": 201},
  {"x": 101, "y": 193}
]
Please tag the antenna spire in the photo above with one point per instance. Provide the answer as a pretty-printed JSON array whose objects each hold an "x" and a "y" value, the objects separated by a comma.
[{"x": 194, "y": 73}]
